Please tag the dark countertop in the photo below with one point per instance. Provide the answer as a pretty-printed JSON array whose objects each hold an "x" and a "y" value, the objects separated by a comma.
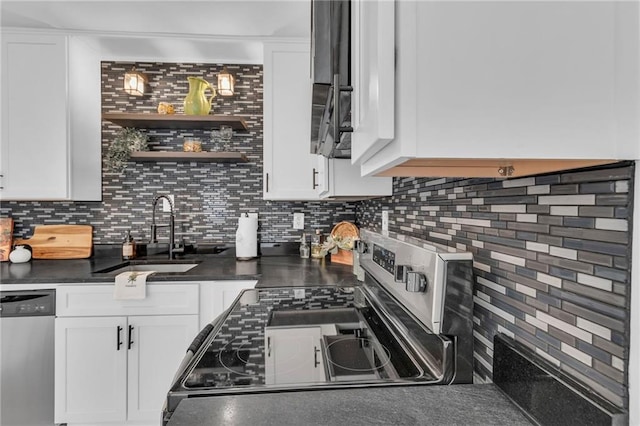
[
  {"x": 270, "y": 271},
  {"x": 397, "y": 405}
]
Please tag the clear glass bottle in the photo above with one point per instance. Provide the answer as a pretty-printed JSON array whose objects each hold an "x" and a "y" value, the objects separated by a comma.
[
  {"x": 316, "y": 245},
  {"x": 304, "y": 247}
]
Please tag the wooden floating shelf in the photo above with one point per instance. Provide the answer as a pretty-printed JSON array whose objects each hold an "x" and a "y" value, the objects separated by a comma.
[
  {"x": 203, "y": 157},
  {"x": 174, "y": 121}
]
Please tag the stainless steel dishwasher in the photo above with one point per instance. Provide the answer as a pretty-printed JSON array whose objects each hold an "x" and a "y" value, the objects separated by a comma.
[{"x": 26, "y": 362}]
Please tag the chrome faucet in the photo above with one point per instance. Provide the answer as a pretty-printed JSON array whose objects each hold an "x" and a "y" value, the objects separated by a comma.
[{"x": 154, "y": 227}]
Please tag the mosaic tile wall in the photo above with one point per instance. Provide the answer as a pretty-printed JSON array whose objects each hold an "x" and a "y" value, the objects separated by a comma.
[
  {"x": 209, "y": 196},
  {"x": 551, "y": 257}
]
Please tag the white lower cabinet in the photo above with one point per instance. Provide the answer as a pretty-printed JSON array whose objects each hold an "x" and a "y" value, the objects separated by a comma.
[
  {"x": 293, "y": 355},
  {"x": 217, "y": 296},
  {"x": 90, "y": 371},
  {"x": 118, "y": 368},
  {"x": 158, "y": 345}
]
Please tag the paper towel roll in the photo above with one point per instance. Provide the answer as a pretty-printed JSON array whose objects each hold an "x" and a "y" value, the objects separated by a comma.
[{"x": 247, "y": 237}]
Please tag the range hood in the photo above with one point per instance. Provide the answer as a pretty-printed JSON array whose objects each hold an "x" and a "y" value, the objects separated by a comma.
[{"x": 331, "y": 76}]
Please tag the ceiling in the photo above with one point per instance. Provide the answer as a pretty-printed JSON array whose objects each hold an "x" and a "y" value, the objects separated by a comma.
[{"x": 258, "y": 19}]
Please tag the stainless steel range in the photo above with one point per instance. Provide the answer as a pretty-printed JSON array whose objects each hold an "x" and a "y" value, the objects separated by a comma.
[{"x": 410, "y": 322}]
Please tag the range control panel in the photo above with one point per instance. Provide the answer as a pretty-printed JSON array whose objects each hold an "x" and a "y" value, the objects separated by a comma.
[{"x": 385, "y": 258}]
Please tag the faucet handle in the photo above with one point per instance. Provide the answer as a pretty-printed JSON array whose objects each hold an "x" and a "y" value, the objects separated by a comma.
[{"x": 178, "y": 247}]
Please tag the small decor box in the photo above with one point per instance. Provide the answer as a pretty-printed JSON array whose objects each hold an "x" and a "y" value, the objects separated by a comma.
[{"x": 342, "y": 256}]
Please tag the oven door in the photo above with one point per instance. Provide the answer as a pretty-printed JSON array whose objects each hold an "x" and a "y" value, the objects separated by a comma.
[{"x": 333, "y": 338}]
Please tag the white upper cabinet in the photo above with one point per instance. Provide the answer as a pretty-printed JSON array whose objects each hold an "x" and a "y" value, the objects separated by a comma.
[
  {"x": 291, "y": 172},
  {"x": 338, "y": 178},
  {"x": 35, "y": 142},
  {"x": 85, "y": 124},
  {"x": 538, "y": 86},
  {"x": 372, "y": 74},
  {"x": 288, "y": 162},
  {"x": 50, "y": 147}
]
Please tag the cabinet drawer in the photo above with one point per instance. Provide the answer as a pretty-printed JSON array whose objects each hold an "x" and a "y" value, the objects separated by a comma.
[{"x": 173, "y": 299}]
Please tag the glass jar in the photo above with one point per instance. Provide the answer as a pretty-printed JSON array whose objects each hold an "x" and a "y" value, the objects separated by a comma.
[
  {"x": 220, "y": 141},
  {"x": 316, "y": 245},
  {"x": 192, "y": 145},
  {"x": 304, "y": 247},
  {"x": 226, "y": 133}
]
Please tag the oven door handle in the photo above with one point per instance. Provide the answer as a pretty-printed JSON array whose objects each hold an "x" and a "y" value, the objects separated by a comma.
[
  {"x": 196, "y": 344},
  {"x": 199, "y": 339}
]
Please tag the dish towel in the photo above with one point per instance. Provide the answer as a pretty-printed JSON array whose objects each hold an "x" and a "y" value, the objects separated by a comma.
[{"x": 131, "y": 285}]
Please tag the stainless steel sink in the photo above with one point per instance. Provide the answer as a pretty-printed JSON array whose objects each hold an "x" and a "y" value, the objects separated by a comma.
[{"x": 163, "y": 268}]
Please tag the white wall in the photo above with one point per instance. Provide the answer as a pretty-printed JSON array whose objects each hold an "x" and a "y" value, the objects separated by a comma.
[{"x": 170, "y": 49}]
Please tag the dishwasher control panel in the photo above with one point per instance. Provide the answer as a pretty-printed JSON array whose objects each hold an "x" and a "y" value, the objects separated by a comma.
[{"x": 28, "y": 303}]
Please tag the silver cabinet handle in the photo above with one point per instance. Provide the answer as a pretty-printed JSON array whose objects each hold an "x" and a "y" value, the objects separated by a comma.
[
  {"x": 313, "y": 178},
  {"x": 268, "y": 346},
  {"x": 267, "y": 185}
]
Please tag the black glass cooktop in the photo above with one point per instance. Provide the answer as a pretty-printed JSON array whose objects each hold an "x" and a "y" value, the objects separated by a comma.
[{"x": 332, "y": 335}]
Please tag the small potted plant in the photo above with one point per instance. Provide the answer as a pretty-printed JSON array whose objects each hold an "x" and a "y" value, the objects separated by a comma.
[{"x": 126, "y": 141}]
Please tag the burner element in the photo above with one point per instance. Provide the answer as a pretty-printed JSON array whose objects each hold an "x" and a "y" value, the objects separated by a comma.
[
  {"x": 350, "y": 355},
  {"x": 234, "y": 357}
]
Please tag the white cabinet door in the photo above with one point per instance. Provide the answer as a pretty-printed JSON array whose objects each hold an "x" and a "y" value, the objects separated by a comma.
[
  {"x": 338, "y": 178},
  {"x": 85, "y": 130},
  {"x": 476, "y": 81},
  {"x": 90, "y": 370},
  {"x": 293, "y": 355},
  {"x": 217, "y": 296},
  {"x": 34, "y": 148},
  {"x": 373, "y": 74},
  {"x": 288, "y": 162},
  {"x": 156, "y": 345},
  {"x": 291, "y": 172}
]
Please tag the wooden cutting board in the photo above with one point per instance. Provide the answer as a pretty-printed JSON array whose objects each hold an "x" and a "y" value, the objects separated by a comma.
[
  {"x": 60, "y": 241},
  {"x": 6, "y": 235}
]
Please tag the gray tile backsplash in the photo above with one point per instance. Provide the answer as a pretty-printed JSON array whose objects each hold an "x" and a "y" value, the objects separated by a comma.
[
  {"x": 551, "y": 253},
  {"x": 209, "y": 196},
  {"x": 551, "y": 259}
]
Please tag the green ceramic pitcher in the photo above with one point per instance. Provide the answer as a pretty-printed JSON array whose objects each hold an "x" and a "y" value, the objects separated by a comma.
[{"x": 196, "y": 103}]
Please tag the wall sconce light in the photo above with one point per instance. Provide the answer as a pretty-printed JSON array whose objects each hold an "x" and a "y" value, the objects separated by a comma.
[
  {"x": 225, "y": 82},
  {"x": 135, "y": 82}
]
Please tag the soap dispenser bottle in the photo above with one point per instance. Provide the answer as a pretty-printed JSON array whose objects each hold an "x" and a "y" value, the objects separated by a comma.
[
  {"x": 304, "y": 247},
  {"x": 128, "y": 247}
]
